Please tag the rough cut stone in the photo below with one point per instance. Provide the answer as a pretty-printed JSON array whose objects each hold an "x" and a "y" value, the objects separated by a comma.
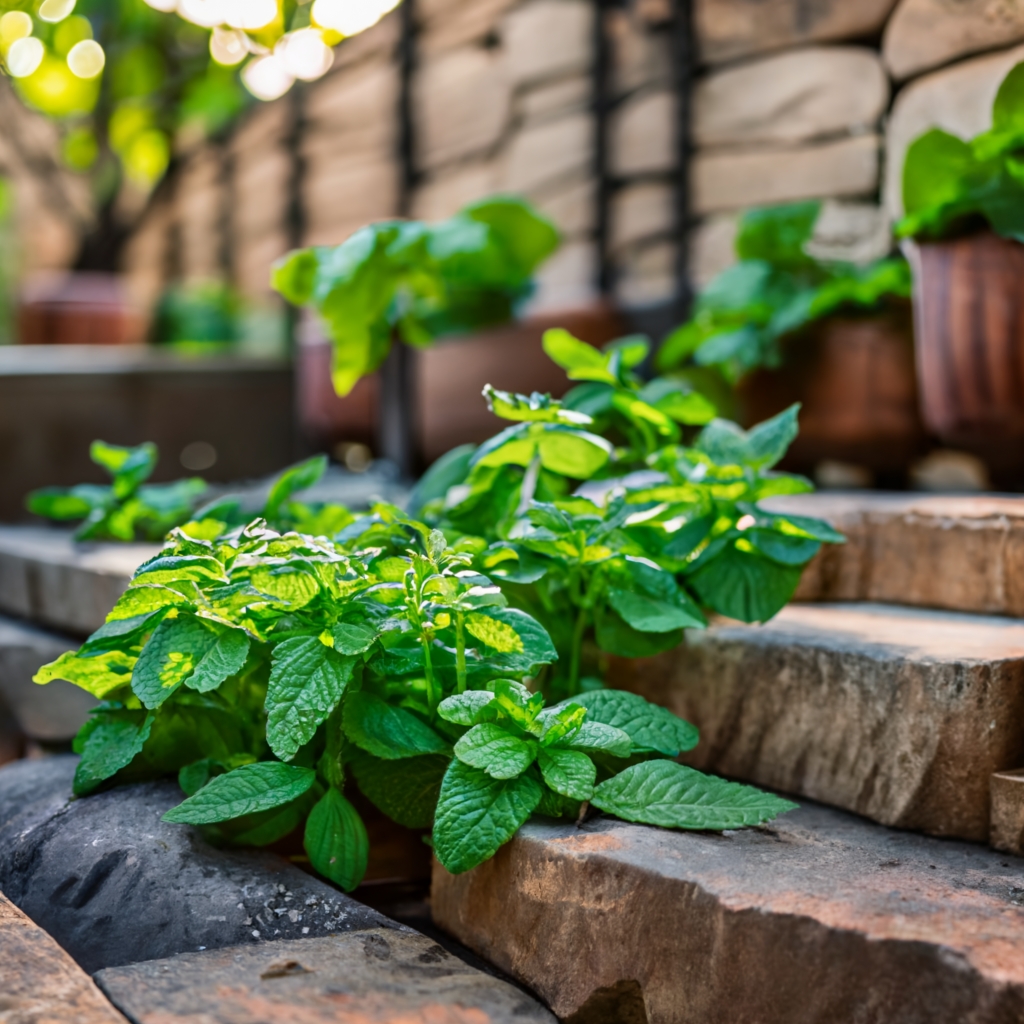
[
  {"x": 819, "y": 918},
  {"x": 354, "y": 110},
  {"x": 552, "y": 100},
  {"x": 727, "y": 29},
  {"x": 641, "y": 58},
  {"x": 1007, "y": 832},
  {"x": 49, "y": 713},
  {"x": 642, "y": 211},
  {"x": 643, "y": 135},
  {"x": 445, "y": 24},
  {"x": 734, "y": 180},
  {"x": 647, "y": 275},
  {"x": 463, "y": 104},
  {"x": 899, "y": 714},
  {"x": 373, "y": 976},
  {"x": 924, "y": 34},
  {"x": 39, "y": 982},
  {"x": 115, "y": 885},
  {"x": 444, "y": 194},
  {"x": 791, "y": 97},
  {"x": 957, "y": 99},
  {"x": 567, "y": 280},
  {"x": 545, "y": 153},
  {"x": 896, "y": 544},
  {"x": 712, "y": 248},
  {"x": 46, "y": 578},
  {"x": 545, "y": 38},
  {"x": 570, "y": 205}
]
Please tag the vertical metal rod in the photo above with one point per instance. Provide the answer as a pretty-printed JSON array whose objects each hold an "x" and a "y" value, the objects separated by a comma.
[
  {"x": 684, "y": 62},
  {"x": 602, "y": 101}
]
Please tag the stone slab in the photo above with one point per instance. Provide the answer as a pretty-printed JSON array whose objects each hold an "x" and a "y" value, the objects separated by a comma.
[
  {"x": 1007, "y": 832},
  {"x": 895, "y": 542},
  {"x": 899, "y": 714},
  {"x": 39, "y": 982},
  {"x": 818, "y": 919},
  {"x": 115, "y": 885},
  {"x": 374, "y": 976},
  {"x": 53, "y": 713}
]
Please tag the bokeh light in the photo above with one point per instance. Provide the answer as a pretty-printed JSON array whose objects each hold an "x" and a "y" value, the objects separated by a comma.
[
  {"x": 14, "y": 25},
  {"x": 55, "y": 10},
  {"x": 228, "y": 46},
  {"x": 305, "y": 54},
  {"x": 349, "y": 17},
  {"x": 87, "y": 59},
  {"x": 24, "y": 56}
]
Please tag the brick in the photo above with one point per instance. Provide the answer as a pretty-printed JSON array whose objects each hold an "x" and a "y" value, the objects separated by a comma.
[
  {"x": 819, "y": 918},
  {"x": 899, "y": 714},
  {"x": 398, "y": 977}
]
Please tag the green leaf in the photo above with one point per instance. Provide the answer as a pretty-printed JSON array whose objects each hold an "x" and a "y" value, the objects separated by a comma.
[
  {"x": 597, "y": 736},
  {"x": 934, "y": 171},
  {"x": 671, "y": 795},
  {"x": 494, "y": 633},
  {"x": 353, "y": 638},
  {"x": 537, "y": 649},
  {"x": 297, "y": 478},
  {"x": 778, "y": 234},
  {"x": 58, "y": 503},
  {"x": 389, "y": 732},
  {"x": 202, "y": 569},
  {"x": 616, "y": 636},
  {"x": 783, "y": 547},
  {"x": 477, "y": 814},
  {"x": 495, "y": 751},
  {"x": 1008, "y": 108},
  {"x": 744, "y": 585},
  {"x": 576, "y": 454},
  {"x": 99, "y": 675},
  {"x": 246, "y": 790},
  {"x": 406, "y": 791},
  {"x": 533, "y": 408},
  {"x": 655, "y": 603},
  {"x": 569, "y": 773},
  {"x": 463, "y": 708},
  {"x": 173, "y": 653},
  {"x": 561, "y": 722},
  {"x": 294, "y": 276},
  {"x": 113, "y": 743},
  {"x": 307, "y": 682},
  {"x": 224, "y": 659},
  {"x": 128, "y": 466},
  {"x": 650, "y": 727},
  {"x": 336, "y": 841},
  {"x": 580, "y": 360}
]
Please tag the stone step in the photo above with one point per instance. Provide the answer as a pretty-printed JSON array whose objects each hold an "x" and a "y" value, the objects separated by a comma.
[
  {"x": 51, "y": 714},
  {"x": 899, "y": 714},
  {"x": 957, "y": 553},
  {"x": 39, "y": 982},
  {"x": 820, "y": 918},
  {"x": 48, "y": 579},
  {"x": 373, "y": 976}
]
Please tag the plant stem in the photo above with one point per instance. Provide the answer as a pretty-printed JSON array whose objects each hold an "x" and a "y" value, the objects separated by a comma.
[
  {"x": 460, "y": 651},
  {"x": 577, "y": 650},
  {"x": 433, "y": 696}
]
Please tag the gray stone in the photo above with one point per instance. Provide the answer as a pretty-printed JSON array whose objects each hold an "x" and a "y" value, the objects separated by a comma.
[
  {"x": 791, "y": 97},
  {"x": 958, "y": 100},
  {"x": 52, "y": 713},
  {"x": 374, "y": 976},
  {"x": 46, "y": 578},
  {"x": 727, "y": 29},
  {"x": 731, "y": 180},
  {"x": 818, "y": 918},
  {"x": 113, "y": 884},
  {"x": 899, "y": 714},
  {"x": 895, "y": 541},
  {"x": 924, "y": 34},
  {"x": 1007, "y": 832}
]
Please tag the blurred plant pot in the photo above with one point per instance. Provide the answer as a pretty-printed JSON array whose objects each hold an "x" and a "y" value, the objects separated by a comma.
[
  {"x": 77, "y": 309},
  {"x": 969, "y": 310},
  {"x": 855, "y": 379},
  {"x": 449, "y": 379}
]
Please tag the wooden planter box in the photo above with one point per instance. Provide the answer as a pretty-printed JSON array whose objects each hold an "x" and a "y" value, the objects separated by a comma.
[{"x": 449, "y": 379}]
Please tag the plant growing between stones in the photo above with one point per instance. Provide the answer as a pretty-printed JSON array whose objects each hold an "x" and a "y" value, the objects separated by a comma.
[{"x": 272, "y": 671}]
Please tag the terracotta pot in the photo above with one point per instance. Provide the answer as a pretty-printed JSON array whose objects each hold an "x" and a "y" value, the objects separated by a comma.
[
  {"x": 969, "y": 308},
  {"x": 855, "y": 379},
  {"x": 449, "y": 378},
  {"x": 77, "y": 309}
]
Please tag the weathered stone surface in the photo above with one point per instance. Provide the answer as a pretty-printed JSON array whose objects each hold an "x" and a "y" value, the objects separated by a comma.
[
  {"x": 567, "y": 280},
  {"x": 114, "y": 884},
  {"x": 445, "y": 193},
  {"x": 445, "y": 24},
  {"x": 548, "y": 152},
  {"x": 39, "y": 982},
  {"x": 642, "y": 134},
  {"x": 791, "y": 97},
  {"x": 548, "y": 101},
  {"x": 712, "y": 248},
  {"x": 899, "y": 714},
  {"x": 641, "y": 58},
  {"x": 818, "y": 919},
  {"x": 640, "y": 211},
  {"x": 647, "y": 275},
  {"x": 895, "y": 544},
  {"x": 463, "y": 103},
  {"x": 52, "y": 713},
  {"x": 373, "y": 976},
  {"x": 924, "y": 34},
  {"x": 545, "y": 38},
  {"x": 47, "y": 578},
  {"x": 731, "y": 180},
  {"x": 1007, "y": 831},
  {"x": 354, "y": 111},
  {"x": 958, "y": 100},
  {"x": 727, "y": 29},
  {"x": 570, "y": 205}
]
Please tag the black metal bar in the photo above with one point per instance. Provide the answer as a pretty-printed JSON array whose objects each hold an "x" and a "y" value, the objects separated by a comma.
[
  {"x": 684, "y": 59},
  {"x": 602, "y": 101}
]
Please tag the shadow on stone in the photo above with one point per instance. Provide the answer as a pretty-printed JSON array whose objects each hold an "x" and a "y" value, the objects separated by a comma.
[{"x": 622, "y": 1003}]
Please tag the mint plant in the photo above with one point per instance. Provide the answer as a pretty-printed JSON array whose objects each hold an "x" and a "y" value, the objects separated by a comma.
[
  {"x": 274, "y": 672},
  {"x": 127, "y": 509},
  {"x": 743, "y": 316}
]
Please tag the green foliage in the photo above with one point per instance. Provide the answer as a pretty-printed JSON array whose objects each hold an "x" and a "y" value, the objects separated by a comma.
[
  {"x": 951, "y": 186},
  {"x": 205, "y": 314},
  {"x": 418, "y": 281},
  {"x": 775, "y": 289}
]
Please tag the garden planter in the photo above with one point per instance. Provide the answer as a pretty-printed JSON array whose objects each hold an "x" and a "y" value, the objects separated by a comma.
[
  {"x": 969, "y": 308},
  {"x": 78, "y": 309},
  {"x": 855, "y": 379},
  {"x": 449, "y": 378}
]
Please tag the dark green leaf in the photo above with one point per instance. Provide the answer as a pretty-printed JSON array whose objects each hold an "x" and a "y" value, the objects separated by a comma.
[
  {"x": 174, "y": 651},
  {"x": 650, "y": 727},
  {"x": 744, "y": 585},
  {"x": 247, "y": 790},
  {"x": 389, "y": 732},
  {"x": 113, "y": 743},
  {"x": 569, "y": 772},
  {"x": 597, "y": 736},
  {"x": 492, "y": 749},
  {"x": 406, "y": 791},
  {"x": 336, "y": 841},
  {"x": 463, "y": 708}
]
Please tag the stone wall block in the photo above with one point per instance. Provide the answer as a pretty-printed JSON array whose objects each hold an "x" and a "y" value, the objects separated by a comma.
[
  {"x": 646, "y": 275},
  {"x": 957, "y": 99},
  {"x": 462, "y": 105},
  {"x": 640, "y": 211},
  {"x": 551, "y": 100},
  {"x": 925, "y": 34},
  {"x": 447, "y": 191},
  {"x": 545, "y": 38},
  {"x": 570, "y": 206},
  {"x": 342, "y": 194},
  {"x": 353, "y": 111},
  {"x": 643, "y": 134},
  {"x": 712, "y": 249},
  {"x": 735, "y": 180},
  {"x": 792, "y": 97},
  {"x": 541, "y": 155},
  {"x": 447, "y": 24},
  {"x": 727, "y": 29},
  {"x": 640, "y": 58},
  {"x": 567, "y": 281}
]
